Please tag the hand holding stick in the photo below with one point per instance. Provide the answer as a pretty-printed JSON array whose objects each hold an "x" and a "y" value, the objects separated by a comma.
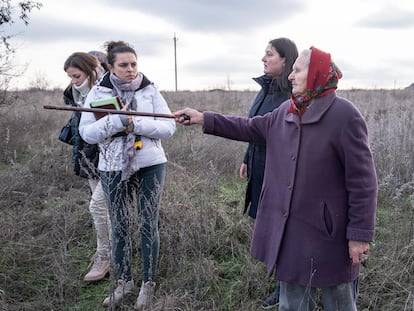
[{"x": 189, "y": 116}]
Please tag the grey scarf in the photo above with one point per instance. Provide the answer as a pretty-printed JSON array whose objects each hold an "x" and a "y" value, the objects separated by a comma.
[{"x": 126, "y": 92}]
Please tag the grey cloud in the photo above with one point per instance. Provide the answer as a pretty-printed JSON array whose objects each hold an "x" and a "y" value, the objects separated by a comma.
[
  {"x": 203, "y": 15},
  {"x": 53, "y": 30},
  {"x": 357, "y": 71},
  {"x": 224, "y": 65},
  {"x": 383, "y": 73},
  {"x": 212, "y": 15},
  {"x": 389, "y": 18},
  {"x": 223, "y": 70}
]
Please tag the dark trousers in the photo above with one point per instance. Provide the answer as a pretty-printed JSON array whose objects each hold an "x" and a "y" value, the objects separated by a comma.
[{"x": 140, "y": 193}]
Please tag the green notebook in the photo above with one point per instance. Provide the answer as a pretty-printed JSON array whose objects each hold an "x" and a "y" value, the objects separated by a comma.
[{"x": 113, "y": 103}]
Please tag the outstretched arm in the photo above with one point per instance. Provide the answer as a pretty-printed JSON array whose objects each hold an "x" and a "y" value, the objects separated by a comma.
[{"x": 189, "y": 116}]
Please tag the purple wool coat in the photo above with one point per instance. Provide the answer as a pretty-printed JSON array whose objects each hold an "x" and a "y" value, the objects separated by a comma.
[{"x": 319, "y": 190}]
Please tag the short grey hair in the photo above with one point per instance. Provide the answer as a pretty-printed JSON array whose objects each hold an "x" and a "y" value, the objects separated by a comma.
[{"x": 307, "y": 54}]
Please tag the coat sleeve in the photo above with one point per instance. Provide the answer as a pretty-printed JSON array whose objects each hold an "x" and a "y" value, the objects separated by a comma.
[
  {"x": 253, "y": 130},
  {"x": 361, "y": 181},
  {"x": 155, "y": 128},
  {"x": 96, "y": 131}
]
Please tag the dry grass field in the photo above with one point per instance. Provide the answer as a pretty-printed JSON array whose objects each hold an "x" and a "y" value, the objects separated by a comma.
[{"x": 204, "y": 263}]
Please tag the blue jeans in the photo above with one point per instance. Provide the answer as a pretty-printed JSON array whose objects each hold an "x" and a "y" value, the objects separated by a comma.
[
  {"x": 341, "y": 297},
  {"x": 142, "y": 191}
]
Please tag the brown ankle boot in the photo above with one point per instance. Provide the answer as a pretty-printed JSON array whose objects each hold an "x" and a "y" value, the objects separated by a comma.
[{"x": 99, "y": 269}]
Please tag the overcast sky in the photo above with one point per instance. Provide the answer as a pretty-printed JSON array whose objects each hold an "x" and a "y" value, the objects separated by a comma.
[{"x": 221, "y": 42}]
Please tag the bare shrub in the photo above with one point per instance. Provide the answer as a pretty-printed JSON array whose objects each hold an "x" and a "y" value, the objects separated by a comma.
[
  {"x": 205, "y": 242},
  {"x": 191, "y": 148},
  {"x": 204, "y": 259},
  {"x": 389, "y": 115},
  {"x": 40, "y": 82}
]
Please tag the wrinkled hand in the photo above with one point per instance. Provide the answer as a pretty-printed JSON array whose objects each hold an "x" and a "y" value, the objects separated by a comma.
[
  {"x": 243, "y": 170},
  {"x": 189, "y": 116},
  {"x": 358, "y": 251}
]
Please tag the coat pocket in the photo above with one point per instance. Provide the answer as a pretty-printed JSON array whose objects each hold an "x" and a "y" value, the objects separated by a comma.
[{"x": 327, "y": 219}]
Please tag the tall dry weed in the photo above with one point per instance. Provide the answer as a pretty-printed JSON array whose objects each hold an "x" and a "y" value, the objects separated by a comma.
[{"x": 204, "y": 259}]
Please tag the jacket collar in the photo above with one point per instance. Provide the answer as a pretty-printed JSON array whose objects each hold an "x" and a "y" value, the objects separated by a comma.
[
  {"x": 315, "y": 111},
  {"x": 264, "y": 82},
  {"x": 106, "y": 82}
]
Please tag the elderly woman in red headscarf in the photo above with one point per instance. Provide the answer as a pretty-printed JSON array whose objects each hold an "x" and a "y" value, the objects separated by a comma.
[{"x": 316, "y": 214}]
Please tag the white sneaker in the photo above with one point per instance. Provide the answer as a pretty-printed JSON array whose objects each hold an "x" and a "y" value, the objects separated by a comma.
[
  {"x": 123, "y": 289},
  {"x": 146, "y": 293}
]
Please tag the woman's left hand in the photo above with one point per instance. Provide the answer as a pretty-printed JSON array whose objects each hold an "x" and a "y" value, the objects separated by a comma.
[{"x": 358, "y": 251}]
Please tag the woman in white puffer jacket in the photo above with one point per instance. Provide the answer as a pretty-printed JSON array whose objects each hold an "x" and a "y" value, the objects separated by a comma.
[{"x": 130, "y": 171}]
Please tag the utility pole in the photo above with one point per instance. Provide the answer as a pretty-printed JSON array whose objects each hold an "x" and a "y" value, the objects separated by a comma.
[{"x": 175, "y": 60}]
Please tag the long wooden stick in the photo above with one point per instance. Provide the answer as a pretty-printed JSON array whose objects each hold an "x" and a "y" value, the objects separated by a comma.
[{"x": 101, "y": 110}]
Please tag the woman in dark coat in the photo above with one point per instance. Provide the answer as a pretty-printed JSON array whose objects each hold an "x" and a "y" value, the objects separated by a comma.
[
  {"x": 278, "y": 60},
  {"x": 316, "y": 213}
]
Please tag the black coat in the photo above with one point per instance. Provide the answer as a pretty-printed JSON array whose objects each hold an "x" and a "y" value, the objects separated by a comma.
[
  {"x": 266, "y": 101},
  {"x": 85, "y": 157}
]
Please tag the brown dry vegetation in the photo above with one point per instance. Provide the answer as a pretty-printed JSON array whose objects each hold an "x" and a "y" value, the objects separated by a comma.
[{"x": 204, "y": 261}]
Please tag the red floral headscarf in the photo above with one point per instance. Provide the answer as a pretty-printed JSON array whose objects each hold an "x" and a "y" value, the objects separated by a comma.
[{"x": 323, "y": 76}]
